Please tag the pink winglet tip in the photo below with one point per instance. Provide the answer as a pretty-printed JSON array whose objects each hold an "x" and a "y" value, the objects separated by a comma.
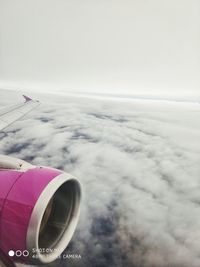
[{"x": 27, "y": 98}]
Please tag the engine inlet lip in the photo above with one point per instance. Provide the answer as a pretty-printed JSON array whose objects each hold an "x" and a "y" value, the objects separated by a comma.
[{"x": 37, "y": 254}]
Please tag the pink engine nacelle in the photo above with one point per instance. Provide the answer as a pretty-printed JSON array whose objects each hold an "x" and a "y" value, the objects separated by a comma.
[{"x": 39, "y": 210}]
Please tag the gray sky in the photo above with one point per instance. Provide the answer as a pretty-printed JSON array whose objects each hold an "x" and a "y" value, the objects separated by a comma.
[{"x": 115, "y": 46}]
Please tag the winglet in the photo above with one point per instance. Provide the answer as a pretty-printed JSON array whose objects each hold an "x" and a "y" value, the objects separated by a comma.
[{"x": 27, "y": 98}]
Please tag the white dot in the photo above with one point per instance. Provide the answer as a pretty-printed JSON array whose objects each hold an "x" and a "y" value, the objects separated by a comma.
[{"x": 11, "y": 253}]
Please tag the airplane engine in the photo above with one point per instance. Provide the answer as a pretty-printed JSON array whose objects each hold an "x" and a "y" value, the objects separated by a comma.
[{"x": 39, "y": 211}]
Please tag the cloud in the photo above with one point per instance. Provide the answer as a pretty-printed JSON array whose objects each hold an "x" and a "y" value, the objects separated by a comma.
[{"x": 138, "y": 163}]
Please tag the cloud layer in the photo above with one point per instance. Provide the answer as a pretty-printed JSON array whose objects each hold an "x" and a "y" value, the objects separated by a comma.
[{"x": 138, "y": 163}]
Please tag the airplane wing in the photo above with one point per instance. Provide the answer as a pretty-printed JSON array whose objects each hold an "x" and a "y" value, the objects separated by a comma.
[{"x": 10, "y": 114}]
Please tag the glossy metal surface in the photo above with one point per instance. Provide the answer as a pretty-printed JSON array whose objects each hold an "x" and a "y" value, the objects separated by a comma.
[{"x": 54, "y": 218}]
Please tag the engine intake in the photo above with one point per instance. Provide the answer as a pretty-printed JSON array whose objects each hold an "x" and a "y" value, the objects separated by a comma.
[{"x": 39, "y": 211}]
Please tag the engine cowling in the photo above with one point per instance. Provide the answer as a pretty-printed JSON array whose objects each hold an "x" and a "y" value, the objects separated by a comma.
[{"x": 39, "y": 210}]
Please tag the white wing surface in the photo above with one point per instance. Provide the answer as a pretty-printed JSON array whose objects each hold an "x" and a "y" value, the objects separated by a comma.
[{"x": 10, "y": 114}]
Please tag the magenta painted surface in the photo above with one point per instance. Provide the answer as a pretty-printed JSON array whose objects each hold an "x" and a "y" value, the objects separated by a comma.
[
  {"x": 27, "y": 98},
  {"x": 25, "y": 189},
  {"x": 7, "y": 179}
]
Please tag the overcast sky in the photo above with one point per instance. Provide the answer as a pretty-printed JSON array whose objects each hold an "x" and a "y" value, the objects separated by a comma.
[{"x": 116, "y": 46}]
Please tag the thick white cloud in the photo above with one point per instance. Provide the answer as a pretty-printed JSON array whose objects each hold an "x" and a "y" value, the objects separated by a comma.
[{"x": 138, "y": 162}]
